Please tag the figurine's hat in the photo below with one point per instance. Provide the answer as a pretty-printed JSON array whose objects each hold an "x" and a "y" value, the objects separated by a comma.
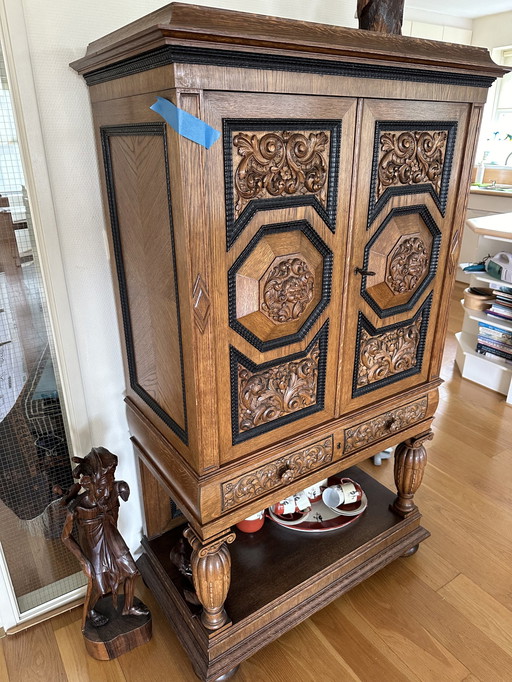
[{"x": 98, "y": 462}]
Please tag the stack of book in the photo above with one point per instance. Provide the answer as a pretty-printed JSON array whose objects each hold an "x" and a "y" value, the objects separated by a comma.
[
  {"x": 495, "y": 340},
  {"x": 502, "y": 306}
]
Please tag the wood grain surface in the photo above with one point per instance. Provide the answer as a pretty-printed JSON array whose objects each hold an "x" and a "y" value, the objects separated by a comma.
[{"x": 444, "y": 613}]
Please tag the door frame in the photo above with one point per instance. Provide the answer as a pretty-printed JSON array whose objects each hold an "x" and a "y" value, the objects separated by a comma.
[{"x": 16, "y": 52}]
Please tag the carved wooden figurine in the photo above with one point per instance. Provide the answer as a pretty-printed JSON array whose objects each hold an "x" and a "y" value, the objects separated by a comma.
[
  {"x": 104, "y": 557},
  {"x": 384, "y": 16}
]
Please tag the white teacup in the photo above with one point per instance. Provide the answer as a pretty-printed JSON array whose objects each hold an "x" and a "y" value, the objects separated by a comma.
[
  {"x": 293, "y": 509},
  {"x": 314, "y": 492},
  {"x": 345, "y": 492}
]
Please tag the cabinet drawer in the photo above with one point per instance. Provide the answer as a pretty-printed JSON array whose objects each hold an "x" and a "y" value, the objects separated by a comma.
[
  {"x": 277, "y": 473},
  {"x": 384, "y": 425}
]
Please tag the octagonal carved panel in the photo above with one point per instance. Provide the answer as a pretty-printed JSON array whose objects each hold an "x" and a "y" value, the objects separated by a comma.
[
  {"x": 279, "y": 285},
  {"x": 403, "y": 256}
]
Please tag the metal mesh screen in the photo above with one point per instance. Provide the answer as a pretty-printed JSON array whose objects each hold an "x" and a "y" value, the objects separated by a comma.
[{"x": 34, "y": 454}]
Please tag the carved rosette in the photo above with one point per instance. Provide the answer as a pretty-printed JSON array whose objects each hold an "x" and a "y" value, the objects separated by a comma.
[
  {"x": 407, "y": 265},
  {"x": 410, "y": 462},
  {"x": 288, "y": 290},
  {"x": 264, "y": 396},
  {"x": 388, "y": 353},
  {"x": 211, "y": 575},
  {"x": 283, "y": 470},
  {"x": 384, "y": 425},
  {"x": 273, "y": 164},
  {"x": 411, "y": 158}
]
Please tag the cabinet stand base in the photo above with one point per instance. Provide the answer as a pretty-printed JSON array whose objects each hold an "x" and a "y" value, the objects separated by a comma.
[{"x": 309, "y": 571}]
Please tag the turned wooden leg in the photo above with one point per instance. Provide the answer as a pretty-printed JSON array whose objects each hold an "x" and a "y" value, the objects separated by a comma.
[
  {"x": 211, "y": 574},
  {"x": 410, "y": 461}
]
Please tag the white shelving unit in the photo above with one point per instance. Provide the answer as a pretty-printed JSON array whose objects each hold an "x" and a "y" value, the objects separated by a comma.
[{"x": 494, "y": 234}]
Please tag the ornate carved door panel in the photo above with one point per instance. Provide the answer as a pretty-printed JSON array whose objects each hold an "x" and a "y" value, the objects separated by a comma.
[
  {"x": 410, "y": 156},
  {"x": 281, "y": 217}
]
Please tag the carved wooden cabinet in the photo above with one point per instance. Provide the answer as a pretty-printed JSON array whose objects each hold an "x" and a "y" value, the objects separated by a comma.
[{"x": 283, "y": 294}]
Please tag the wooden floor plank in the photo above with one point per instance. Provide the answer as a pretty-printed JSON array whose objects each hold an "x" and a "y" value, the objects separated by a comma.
[
  {"x": 485, "y": 612},
  {"x": 488, "y": 474},
  {"x": 432, "y": 567},
  {"x": 161, "y": 656},
  {"x": 33, "y": 656},
  {"x": 360, "y": 644},
  {"x": 405, "y": 635},
  {"x": 472, "y": 647},
  {"x": 287, "y": 658},
  {"x": 473, "y": 507},
  {"x": 78, "y": 665},
  {"x": 4, "y": 676}
]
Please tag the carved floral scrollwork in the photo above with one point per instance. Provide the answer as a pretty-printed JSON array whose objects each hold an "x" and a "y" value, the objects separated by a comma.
[
  {"x": 411, "y": 158},
  {"x": 407, "y": 265},
  {"x": 288, "y": 290},
  {"x": 385, "y": 424},
  {"x": 277, "y": 391},
  {"x": 256, "y": 483},
  {"x": 272, "y": 164},
  {"x": 388, "y": 353}
]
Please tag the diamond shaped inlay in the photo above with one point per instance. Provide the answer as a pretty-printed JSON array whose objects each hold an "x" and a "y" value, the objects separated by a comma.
[{"x": 201, "y": 303}]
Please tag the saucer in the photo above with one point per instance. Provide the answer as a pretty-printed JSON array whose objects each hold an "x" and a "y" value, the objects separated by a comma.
[{"x": 320, "y": 519}]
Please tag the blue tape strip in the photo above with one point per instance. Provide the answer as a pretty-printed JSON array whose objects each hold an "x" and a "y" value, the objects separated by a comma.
[{"x": 185, "y": 124}]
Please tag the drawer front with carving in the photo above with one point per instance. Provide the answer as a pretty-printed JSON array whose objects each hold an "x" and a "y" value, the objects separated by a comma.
[
  {"x": 280, "y": 472},
  {"x": 394, "y": 421}
]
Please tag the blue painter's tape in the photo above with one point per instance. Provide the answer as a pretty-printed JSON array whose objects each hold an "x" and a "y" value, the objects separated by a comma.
[{"x": 185, "y": 124}]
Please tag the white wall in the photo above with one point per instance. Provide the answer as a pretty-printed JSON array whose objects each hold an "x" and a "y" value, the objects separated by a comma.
[
  {"x": 493, "y": 31},
  {"x": 58, "y": 32}
]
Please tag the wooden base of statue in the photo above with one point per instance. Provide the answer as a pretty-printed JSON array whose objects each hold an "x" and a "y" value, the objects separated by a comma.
[{"x": 120, "y": 635}]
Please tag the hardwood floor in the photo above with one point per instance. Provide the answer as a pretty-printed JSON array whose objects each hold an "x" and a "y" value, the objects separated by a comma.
[{"x": 443, "y": 614}]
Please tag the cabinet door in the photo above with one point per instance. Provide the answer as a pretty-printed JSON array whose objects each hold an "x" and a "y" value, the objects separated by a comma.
[
  {"x": 405, "y": 194},
  {"x": 278, "y": 197}
]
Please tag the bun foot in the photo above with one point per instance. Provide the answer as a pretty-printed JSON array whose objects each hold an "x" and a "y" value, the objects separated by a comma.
[
  {"x": 228, "y": 675},
  {"x": 411, "y": 551}
]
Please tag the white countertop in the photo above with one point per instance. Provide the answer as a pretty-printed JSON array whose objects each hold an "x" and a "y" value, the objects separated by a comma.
[{"x": 497, "y": 225}]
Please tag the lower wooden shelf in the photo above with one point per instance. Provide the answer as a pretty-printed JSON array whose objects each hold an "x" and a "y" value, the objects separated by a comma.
[{"x": 279, "y": 577}]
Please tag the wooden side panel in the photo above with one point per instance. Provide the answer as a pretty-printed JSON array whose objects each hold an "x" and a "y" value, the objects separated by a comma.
[
  {"x": 141, "y": 219},
  {"x": 157, "y": 504}
]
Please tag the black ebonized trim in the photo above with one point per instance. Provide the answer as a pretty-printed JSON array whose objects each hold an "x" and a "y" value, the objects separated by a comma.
[
  {"x": 184, "y": 54},
  {"x": 237, "y": 358},
  {"x": 326, "y": 213},
  {"x": 429, "y": 221},
  {"x": 375, "y": 207},
  {"x": 141, "y": 129},
  {"x": 363, "y": 323},
  {"x": 301, "y": 226}
]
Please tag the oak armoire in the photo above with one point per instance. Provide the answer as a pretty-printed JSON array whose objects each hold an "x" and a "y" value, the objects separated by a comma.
[{"x": 283, "y": 293}]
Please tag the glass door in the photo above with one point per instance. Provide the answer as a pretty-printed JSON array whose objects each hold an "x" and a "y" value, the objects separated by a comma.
[{"x": 34, "y": 452}]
